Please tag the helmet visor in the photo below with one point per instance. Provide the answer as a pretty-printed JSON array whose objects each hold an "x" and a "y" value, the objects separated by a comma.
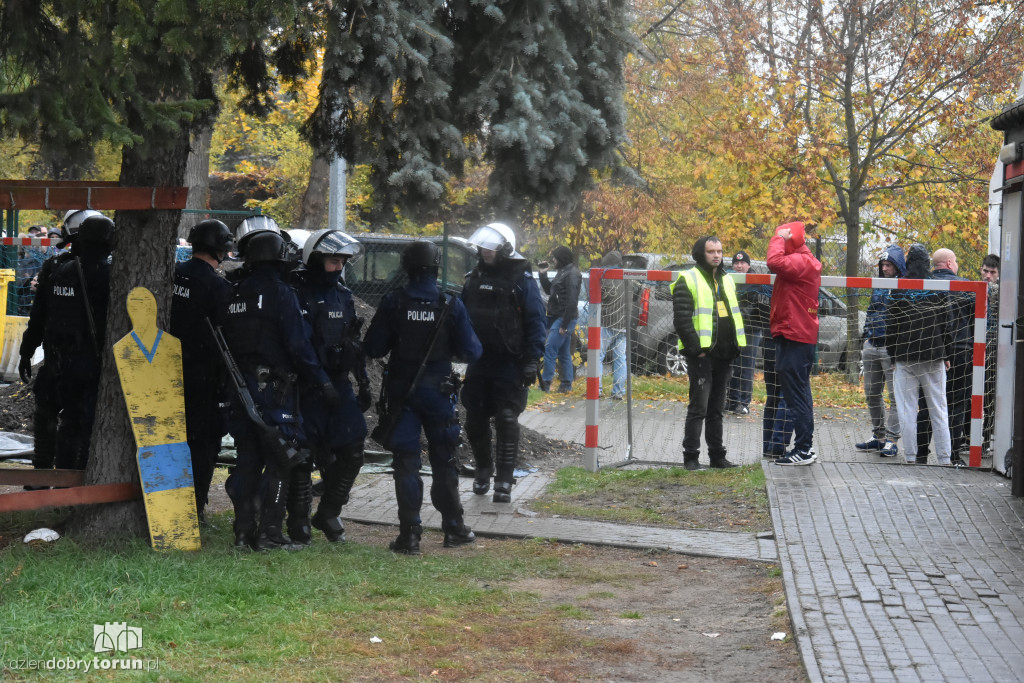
[
  {"x": 488, "y": 238},
  {"x": 333, "y": 243}
]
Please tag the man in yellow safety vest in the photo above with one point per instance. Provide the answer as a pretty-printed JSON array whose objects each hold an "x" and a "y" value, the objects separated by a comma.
[{"x": 706, "y": 316}]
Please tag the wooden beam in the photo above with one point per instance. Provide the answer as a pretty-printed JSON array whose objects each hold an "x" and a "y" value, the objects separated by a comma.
[
  {"x": 5, "y": 183},
  {"x": 78, "y": 495},
  {"x": 102, "y": 197},
  {"x": 25, "y": 477}
]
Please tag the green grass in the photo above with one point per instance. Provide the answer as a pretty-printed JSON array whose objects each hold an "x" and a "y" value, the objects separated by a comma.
[
  {"x": 830, "y": 389},
  {"x": 307, "y": 615},
  {"x": 730, "y": 499}
]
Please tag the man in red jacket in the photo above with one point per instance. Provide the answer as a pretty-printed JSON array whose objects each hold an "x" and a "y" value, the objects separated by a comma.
[{"x": 794, "y": 327}]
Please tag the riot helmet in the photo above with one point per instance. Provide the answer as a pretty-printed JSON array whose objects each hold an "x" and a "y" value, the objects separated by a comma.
[
  {"x": 264, "y": 246},
  {"x": 73, "y": 220},
  {"x": 95, "y": 238},
  {"x": 251, "y": 226},
  {"x": 329, "y": 243},
  {"x": 211, "y": 237},
  {"x": 293, "y": 243},
  {"x": 496, "y": 237},
  {"x": 421, "y": 256}
]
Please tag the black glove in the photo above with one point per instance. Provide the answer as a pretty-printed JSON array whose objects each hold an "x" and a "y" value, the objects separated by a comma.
[
  {"x": 529, "y": 373},
  {"x": 25, "y": 369},
  {"x": 364, "y": 398},
  {"x": 331, "y": 397}
]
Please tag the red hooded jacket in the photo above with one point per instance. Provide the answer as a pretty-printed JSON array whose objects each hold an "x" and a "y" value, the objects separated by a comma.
[{"x": 797, "y": 280}]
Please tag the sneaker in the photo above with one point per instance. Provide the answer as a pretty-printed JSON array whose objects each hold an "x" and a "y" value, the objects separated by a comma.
[
  {"x": 889, "y": 450},
  {"x": 740, "y": 410},
  {"x": 871, "y": 446},
  {"x": 795, "y": 457}
]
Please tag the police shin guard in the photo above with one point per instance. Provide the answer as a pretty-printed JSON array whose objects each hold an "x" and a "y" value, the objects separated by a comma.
[
  {"x": 478, "y": 433},
  {"x": 408, "y": 541},
  {"x": 300, "y": 502},
  {"x": 245, "y": 524},
  {"x": 507, "y": 427},
  {"x": 44, "y": 439},
  {"x": 271, "y": 516}
]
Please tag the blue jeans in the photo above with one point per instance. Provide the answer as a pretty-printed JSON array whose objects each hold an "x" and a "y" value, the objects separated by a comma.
[
  {"x": 777, "y": 428},
  {"x": 558, "y": 346},
  {"x": 742, "y": 383},
  {"x": 615, "y": 341},
  {"x": 793, "y": 361}
]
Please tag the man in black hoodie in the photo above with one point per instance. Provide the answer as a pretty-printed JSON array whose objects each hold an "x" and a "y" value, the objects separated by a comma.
[
  {"x": 564, "y": 295},
  {"x": 707, "y": 318}
]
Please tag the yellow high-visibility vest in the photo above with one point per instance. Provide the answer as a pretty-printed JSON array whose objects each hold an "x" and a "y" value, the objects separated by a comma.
[{"x": 704, "y": 306}]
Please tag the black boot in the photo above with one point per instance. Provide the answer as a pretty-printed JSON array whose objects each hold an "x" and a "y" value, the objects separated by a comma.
[
  {"x": 300, "y": 502},
  {"x": 338, "y": 480},
  {"x": 408, "y": 541},
  {"x": 718, "y": 460},
  {"x": 456, "y": 533},
  {"x": 502, "y": 492},
  {"x": 245, "y": 524},
  {"x": 690, "y": 461},
  {"x": 334, "y": 530},
  {"x": 271, "y": 538},
  {"x": 271, "y": 517},
  {"x": 506, "y": 427},
  {"x": 478, "y": 434}
]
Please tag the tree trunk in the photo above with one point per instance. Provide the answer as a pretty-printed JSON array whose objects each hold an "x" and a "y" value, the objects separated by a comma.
[
  {"x": 314, "y": 203},
  {"x": 197, "y": 178},
  {"x": 143, "y": 257}
]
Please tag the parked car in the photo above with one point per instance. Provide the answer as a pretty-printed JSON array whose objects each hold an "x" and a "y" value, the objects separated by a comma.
[{"x": 378, "y": 269}]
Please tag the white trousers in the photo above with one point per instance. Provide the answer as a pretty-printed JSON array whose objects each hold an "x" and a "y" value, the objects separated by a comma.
[{"x": 929, "y": 377}]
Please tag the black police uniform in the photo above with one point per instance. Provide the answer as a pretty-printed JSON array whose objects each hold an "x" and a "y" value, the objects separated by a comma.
[
  {"x": 508, "y": 316},
  {"x": 44, "y": 418},
  {"x": 73, "y": 345},
  {"x": 402, "y": 327},
  {"x": 335, "y": 436},
  {"x": 200, "y": 294},
  {"x": 265, "y": 330}
]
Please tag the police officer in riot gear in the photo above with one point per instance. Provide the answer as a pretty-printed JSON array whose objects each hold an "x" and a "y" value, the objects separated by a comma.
[
  {"x": 269, "y": 339},
  {"x": 77, "y": 293},
  {"x": 200, "y": 294},
  {"x": 47, "y": 403},
  {"x": 404, "y": 326},
  {"x": 508, "y": 316},
  {"x": 335, "y": 437}
]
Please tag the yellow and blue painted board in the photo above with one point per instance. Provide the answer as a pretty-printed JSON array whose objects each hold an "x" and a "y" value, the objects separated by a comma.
[{"x": 149, "y": 364}]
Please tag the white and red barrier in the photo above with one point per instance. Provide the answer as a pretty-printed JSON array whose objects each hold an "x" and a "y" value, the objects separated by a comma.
[
  {"x": 979, "y": 289},
  {"x": 30, "y": 241}
]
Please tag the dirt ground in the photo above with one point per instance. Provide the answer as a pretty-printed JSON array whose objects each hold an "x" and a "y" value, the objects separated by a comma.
[{"x": 652, "y": 616}]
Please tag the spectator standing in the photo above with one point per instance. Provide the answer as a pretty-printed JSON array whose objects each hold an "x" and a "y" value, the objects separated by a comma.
[
  {"x": 563, "y": 298},
  {"x": 755, "y": 305},
  {"x": 885, "y": 429},
  {"x": 613, "y": 323},
  {"x": 706, "y": 316},
  {"x": 918, "y": 339},
  {"x": 961, "y": 354},
  {"x": 794, "y": 328}
]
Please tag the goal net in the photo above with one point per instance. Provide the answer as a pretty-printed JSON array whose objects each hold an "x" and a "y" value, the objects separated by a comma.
[{"x": 637, "y": 415}]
